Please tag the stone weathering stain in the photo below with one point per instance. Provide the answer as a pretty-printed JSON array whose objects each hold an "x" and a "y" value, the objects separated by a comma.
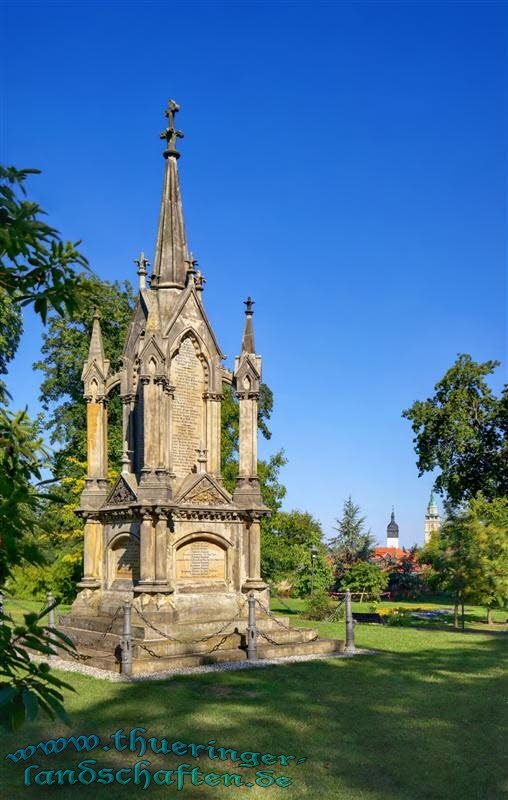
[{"x": 168, "y": 536}]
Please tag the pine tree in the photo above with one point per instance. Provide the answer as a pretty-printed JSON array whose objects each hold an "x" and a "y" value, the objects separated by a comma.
[{"x": 353, "y": 542}]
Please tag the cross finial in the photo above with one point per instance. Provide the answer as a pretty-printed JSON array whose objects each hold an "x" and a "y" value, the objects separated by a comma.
[
  {"x": 249, "y": 303},
  {"x": 171, "y": 134},
  {"x": 142, "y": 265}
]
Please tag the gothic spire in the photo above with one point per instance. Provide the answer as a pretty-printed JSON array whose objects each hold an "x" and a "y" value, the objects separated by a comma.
[
  {"x": 171, "y": 254},
  {"x": 248, "y": 334},
  {"x": 96, "y": 349}
]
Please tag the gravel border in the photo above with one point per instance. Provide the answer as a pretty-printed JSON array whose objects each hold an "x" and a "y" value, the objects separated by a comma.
[{"x": 226, "y": 666}]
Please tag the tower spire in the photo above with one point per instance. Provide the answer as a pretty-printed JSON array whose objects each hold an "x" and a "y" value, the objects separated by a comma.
[
  {"x": 96, "y": 348},
  {"x": 171, "y": 255},
  {"x": 248, "y": 334}
]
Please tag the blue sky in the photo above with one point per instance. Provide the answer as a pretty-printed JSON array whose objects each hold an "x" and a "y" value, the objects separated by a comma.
[{"x": 343, "y": 163}]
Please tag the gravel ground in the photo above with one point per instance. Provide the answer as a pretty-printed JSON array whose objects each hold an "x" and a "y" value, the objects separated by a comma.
[{"x": 68, "y": 666}]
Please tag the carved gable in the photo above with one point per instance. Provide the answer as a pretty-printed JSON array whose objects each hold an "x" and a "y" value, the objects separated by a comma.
[
  {"x": 121, "y": 493},
  {"x": 205, "y": 492}
]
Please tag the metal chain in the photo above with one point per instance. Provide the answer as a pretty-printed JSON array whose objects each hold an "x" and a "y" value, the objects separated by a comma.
[
  {"x": 156, "y": 655},
  {"x": 110, "y": 626},
  {"x": 190, "y": 641},
  {"x": 333, "y": 616},
  {"x": 281, "y": 644},
  {"x": 269, "y": 614}
]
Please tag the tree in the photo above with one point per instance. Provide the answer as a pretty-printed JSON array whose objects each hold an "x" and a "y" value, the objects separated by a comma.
[
  {"x": 454, "y": 555},
  {"x": 364, "y": 577},
  {"x": 404, "y": 574},
  {"x": 11, "y": 328},
  {"x": 462, "y": 430},
  {"x": 490, "y": 519},
  {"x": 36, "y": 267},
  {"x": 353, "y": 542},
  {"x": 65, "y": 349},
  {"x": 286, "y": 553}
]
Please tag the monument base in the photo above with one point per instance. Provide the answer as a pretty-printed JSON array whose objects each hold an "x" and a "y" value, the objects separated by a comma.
[{"x": 181, "y": 630}]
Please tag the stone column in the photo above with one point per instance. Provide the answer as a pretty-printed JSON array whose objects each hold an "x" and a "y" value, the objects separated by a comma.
[
  {"x": 247, "y": 493},
  {"x": 96, "y": 482},
  {"x": 149, "y": 445},
  {"x": 93, "y": 550},
  {"x": 162, "y": 571},
  {"x": 253, "y": 534},
  {"x": 97, "y": 437},
  {"x": 248, "y": 457},
  {"x": 146, "y": 554},
  {"x": 213, "y": 432},
  {"x": 170, "y": 396},
  {"x": 127, "y": 437}
]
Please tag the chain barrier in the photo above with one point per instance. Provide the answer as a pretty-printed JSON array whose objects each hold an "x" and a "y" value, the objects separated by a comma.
[
  {"x": 335, "y": 615},
  {"x": 190, "y": 641},
  {"x": 282, "y": 625},
  {"x": 150, "y": 652}
]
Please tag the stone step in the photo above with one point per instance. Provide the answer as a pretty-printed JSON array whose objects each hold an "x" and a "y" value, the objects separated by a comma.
[
  {"x": 317, "y": 647},
  {"x": 149, "y": 664},
  {"x": 183, "y": 630},
  {"x": 83, "y": 637}
]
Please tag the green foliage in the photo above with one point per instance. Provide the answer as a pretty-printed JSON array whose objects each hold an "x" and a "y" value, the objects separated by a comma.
[
  {"x": 353, "y": 542},
  {"x": 29, "y": 686},
  {"x": 318, "y": 606},
  {"x": 454, "y": 555},
  {"x": 38, "y": 268},
  {"x": 59, "y": 577},
  {"x": 22, "y": 496},
  {"x": 364, "y": 577},
  {"x": 11, "y": 328},
  {"x": 404, "y": 575},
  {"x": 35, "y": 264},
  {"x": 490, "y": 522},
  {"x": 462, "y": 430},
  {"x": 286, "y": 556},
  {"x": 64, "y": 350}
]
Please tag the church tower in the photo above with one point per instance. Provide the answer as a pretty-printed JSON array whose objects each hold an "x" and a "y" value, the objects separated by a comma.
[
  {"x": 432, "y": 518},
  {"x": 168, "y": 536},
  {"x": 392, "y": 532}
]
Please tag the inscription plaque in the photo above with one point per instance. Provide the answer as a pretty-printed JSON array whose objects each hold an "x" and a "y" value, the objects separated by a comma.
[
  {"x": 126, "y": 559},
  {"x": 200, "y": 561}
]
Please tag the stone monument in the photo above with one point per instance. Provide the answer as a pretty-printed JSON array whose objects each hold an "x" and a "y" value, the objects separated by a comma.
[{"x": 167, "y": 535}]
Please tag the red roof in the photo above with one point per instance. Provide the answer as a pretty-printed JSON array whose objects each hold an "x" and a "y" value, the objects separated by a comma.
[{"x": 382, "y": 552}]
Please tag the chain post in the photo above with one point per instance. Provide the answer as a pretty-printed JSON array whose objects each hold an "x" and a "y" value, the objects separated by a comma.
[
  {"x": 252, "y": 645},
  {"x": 126, "y": 641},
  {"x": 350, "y": 625},
  {"x": 51, "y": 617}
]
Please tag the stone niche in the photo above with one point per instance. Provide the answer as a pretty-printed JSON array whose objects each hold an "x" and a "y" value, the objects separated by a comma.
[
  {"x": 201, "y": 564},
  {"x": 123, "y": 561}
]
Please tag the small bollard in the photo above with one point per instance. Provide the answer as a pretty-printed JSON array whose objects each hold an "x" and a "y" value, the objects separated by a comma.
[
  {"x": 252, "y": 644},
  {"x": 350, "y": 625},
  {"x": 126, "y": 640},
  {"x": 51, "y": 618}
]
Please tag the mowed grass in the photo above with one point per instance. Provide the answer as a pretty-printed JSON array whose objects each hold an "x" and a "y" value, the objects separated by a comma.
[{"x": 424, "y": 718}]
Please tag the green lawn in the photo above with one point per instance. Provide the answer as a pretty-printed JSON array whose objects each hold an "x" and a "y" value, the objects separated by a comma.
[{"x": 422, "y": 719}]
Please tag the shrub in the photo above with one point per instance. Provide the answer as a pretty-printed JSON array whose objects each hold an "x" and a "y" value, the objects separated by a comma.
[{"x": 319, "y": 606}]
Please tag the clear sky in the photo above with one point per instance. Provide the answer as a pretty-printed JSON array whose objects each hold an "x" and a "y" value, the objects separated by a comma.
[{"x": 343, "y": 163}]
